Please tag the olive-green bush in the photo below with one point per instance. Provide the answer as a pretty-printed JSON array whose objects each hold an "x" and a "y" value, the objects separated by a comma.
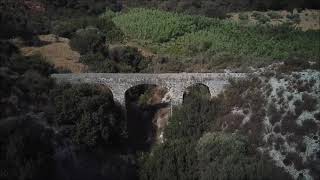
[
  {"x": 88, "y": 40},
  {"x": 92, "y": 113},
  {"x": 176, "y": 159},
  {"x": 229, "y": 156}
]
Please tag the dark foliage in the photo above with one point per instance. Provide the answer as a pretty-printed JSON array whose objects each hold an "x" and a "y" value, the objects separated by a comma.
[
  {"x": 128, "y": 57},
  {"x": 26, "y": 144},
  {"x": 190, "y": 153},
  {"x": 219, "y": 8},
  {"x": 38, "y": 119},
  {"x": 26, "y": 148},
  {"x": 88, "y": 40},
  {"x": 68, "y": 27},
  {"x": 91, "y": 114},
  {"x": 91, "y": 7},
  {"x": 123, "y": 59},
  {"x": 17, "y": 19},
  {"x": 230, "y": 156},
  {"x": 173, "y": 160}
]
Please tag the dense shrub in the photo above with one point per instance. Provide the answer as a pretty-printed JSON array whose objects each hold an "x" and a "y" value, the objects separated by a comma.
[
  {"x": 229, "y": 156},
  {"x": 38, "y": 119},
  {"x": 91, "y": 7},
  {"x": 17, "y": 20},
  {"x": 128, "y": 56},
  {"x": 64, "y": 28},
  {"x": 309, "y": 102},
  {"x": 68, "y": 27},
  {"x": 108, "y": 27},
  {"x": 26, "y": 149},
  {"x": 274, "y": 114},
  {"x": 192, "y": 119},
  {"x": 24, "y": 84},
  {"x": 91, "y": 112},
  {"x": 197, "y": 91},
  {"x": 92, "y": 58},
  {"x": 214, "y": 156},
  {"x": 176, "y": 159},
  {"x": 124, "y": 59},
  {"x": 26, "y": 144},
  {"x": 107, "y": 66},
  {"x": 88, "y": 40}
]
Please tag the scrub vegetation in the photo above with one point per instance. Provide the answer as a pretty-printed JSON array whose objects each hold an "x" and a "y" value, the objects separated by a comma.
[{"x": 265, "y": 126}]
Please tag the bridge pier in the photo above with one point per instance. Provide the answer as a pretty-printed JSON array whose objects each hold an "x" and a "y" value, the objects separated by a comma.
[
  {"x": 176, "y": 95},
  {"x": 119, "y": 94},
  {"x": 119, "y": 97},
  {"x": 177, "y": 99}
]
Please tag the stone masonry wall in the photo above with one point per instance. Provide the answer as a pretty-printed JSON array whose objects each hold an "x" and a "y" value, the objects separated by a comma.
[{"x": 175, "y": 83}]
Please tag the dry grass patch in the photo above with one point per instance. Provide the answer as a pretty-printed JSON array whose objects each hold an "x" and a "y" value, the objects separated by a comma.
[{"x": 58, "y": 52}]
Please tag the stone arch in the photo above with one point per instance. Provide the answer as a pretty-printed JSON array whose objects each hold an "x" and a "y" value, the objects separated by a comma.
[
  {"x": 136, "y": 85},
  {"x": 198, "y": 86},
  {"x": 216, "y": 87},
  {"x": 141, "y": 124}
]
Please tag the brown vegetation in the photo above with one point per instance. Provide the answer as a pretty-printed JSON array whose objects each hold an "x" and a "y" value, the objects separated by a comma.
[{"x": 57, "y": 52}]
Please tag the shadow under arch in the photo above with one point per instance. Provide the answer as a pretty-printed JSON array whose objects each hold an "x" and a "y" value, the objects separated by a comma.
[
  {"x": 106, "y": 88},
  {"x": 142, "y": 129},
  {"x": 196, "y": 90}
]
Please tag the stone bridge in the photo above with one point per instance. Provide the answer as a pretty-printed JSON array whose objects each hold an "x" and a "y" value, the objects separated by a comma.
[{"x": 175, "y": 83}]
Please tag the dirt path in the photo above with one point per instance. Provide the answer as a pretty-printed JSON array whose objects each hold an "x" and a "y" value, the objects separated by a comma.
[{"x": 58, "y": 53}]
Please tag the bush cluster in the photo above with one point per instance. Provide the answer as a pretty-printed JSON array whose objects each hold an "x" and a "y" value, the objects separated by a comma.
[
  {"x": 68, "y": 27},
  {"x": 96, "y": 120},
  {"x": 91, "y": 38},
  {"x": 17, "y": 20},
  {"x": 88, "y": 40},
  {"x": 193, "y": 149},
  {"x": 95, "y": 52},
  {"x": 43, "y": 125},
  {"x": 88, "y": 7},
  {"x": 26, "y": 145}
]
